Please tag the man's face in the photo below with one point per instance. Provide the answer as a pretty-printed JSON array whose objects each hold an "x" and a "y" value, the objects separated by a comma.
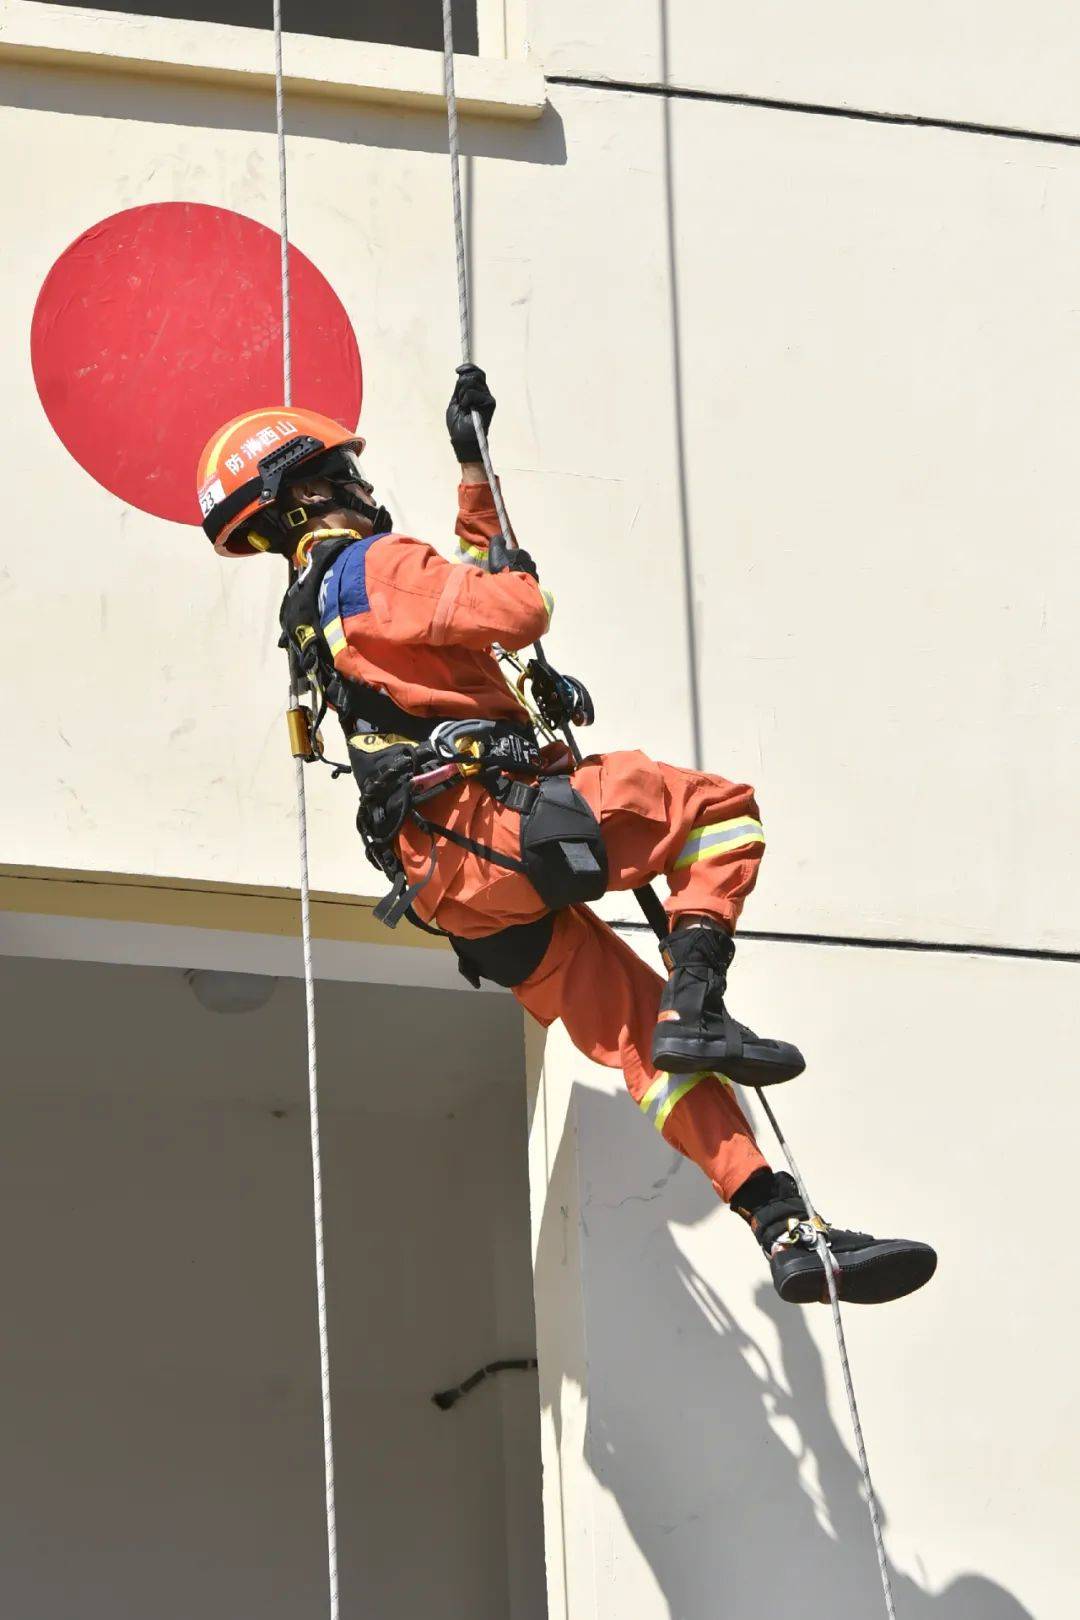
[{"x": 307, "y": 491}]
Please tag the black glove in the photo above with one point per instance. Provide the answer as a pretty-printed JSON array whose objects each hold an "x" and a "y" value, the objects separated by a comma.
[
  {"x": 501, "y": 559},
  {"x": 563, "y": 700},
  {"x": 471, "y": 393}
]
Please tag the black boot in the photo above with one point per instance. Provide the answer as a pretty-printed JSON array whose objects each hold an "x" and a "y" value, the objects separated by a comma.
[
  {"x": 869, "y": 1270},
  {"x": 696, "y": 1031}
]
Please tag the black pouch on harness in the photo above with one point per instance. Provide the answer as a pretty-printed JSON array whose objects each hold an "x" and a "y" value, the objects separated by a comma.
[
  {"x": 508, "y": 957},
  {"x": 562, "y": 847}
]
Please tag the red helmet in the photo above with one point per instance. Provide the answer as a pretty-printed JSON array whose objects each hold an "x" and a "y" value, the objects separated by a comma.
[{"x": 244, "y": 465}]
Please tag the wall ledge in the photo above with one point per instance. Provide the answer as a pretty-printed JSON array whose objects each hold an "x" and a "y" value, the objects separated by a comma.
[
  {"x": 219, "y": 53},
  {"x": 190, "y": 903}
]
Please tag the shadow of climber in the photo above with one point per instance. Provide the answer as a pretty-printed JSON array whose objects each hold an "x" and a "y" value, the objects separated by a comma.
[{"x": 720, "y": 1455}]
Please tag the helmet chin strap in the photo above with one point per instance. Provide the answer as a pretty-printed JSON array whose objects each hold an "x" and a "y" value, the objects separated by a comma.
[
  {"x": 297, "y": 528},
  {"x": 299, "y": 517},
  {"x": 379, "y": 518}
]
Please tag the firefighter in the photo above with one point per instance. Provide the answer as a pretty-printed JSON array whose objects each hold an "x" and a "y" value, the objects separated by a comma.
[{"x": 497, "y": 838}]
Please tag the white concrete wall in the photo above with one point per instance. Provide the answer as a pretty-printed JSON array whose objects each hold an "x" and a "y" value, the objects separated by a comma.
[
  {"x": 696, "y": 1440},
  {"x": 873, "y": 336},
  {"x": 162, "y": 1450},
  {"x": 973, "y": 61}
]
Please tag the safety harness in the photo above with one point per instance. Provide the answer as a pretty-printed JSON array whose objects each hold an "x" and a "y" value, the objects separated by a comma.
[{"x": 400, "y": 760}]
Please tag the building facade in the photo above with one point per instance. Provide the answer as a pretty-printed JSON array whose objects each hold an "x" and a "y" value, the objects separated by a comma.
[{"x": 779, "y": 307}]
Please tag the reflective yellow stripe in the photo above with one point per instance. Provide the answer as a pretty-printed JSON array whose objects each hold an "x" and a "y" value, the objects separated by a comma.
[
  {"x": 549, "y": 603},
  {"x": 335, "y": 636},
  {"x": 668, "y": 1089},
  {"x": 718, "y": 837},
  {"x": 688, "y": 1084},
  {"x": 658, "y": 1089},
  {"x": 233, "y": 427}
]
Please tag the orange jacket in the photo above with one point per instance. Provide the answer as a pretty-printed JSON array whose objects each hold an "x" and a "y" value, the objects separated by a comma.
[{"x": 401, "y": 618}]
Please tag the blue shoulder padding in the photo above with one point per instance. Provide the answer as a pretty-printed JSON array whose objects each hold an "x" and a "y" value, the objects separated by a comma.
[{"x": 344, "y": 590}]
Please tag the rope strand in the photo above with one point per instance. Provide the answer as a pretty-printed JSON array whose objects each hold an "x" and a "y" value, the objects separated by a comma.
[
  {"x": 283, "y": 210},
  {"x": 459, "y": 243},
  {"x": 305, "y": 895},
  {"x": 829, "y": 1263}
]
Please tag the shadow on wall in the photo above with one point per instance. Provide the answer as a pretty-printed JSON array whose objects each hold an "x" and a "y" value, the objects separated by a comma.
[{"x": 728, "y": 1470}]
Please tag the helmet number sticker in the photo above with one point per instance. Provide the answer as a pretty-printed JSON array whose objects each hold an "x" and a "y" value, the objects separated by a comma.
[{"x": 210, "y": 497}]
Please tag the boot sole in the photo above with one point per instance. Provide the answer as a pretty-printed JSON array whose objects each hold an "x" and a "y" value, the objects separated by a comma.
[
  {"x": 757, "y": 1066},
  {"x": 872, "y": 1277}
]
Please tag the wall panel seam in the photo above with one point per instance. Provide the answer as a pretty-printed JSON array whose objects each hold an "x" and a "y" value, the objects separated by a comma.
[
  {"x": 870, "y": 942},
  {"x": 815, "y": 109}
]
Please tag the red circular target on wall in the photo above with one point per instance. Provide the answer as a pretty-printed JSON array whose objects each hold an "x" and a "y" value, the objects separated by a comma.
[{"x": 161, "y": 323}]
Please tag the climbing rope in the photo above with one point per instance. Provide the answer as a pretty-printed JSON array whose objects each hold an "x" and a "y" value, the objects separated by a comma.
[
  {"x": 829, "y": 1263},
  {"x": 305, "y": 890},
  {"x": 646, "y": 896},
  {"x": 459, "y": 242}
]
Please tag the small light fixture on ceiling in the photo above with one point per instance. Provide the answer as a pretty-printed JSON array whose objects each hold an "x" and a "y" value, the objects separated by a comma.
[{"x": 224, "y": 992}]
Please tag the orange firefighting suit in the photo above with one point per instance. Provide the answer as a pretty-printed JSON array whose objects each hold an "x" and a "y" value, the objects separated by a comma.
[{"x": 408, "y": 622}]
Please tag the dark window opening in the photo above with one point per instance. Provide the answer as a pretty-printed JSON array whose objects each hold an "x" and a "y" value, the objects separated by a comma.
[{"x": 404, "y": 22}]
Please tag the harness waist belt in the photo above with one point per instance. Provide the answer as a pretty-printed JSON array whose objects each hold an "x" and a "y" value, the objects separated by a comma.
[{"x": 473, "y": 745}]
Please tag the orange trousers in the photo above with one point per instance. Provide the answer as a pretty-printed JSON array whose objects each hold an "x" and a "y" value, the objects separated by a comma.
[{"x": 703, "y": 835}]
